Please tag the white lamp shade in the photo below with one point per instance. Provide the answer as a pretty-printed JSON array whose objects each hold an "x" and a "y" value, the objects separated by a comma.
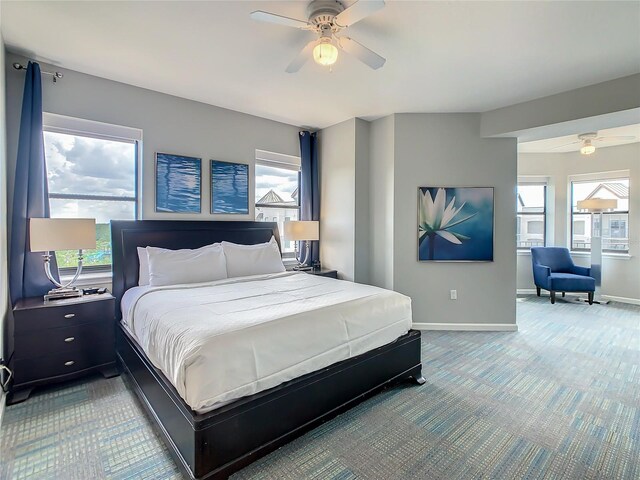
[
  {"x": 302, "y": 230},
  {"x": 52, "y": 234},
  {"x": 597, "y": 204}
]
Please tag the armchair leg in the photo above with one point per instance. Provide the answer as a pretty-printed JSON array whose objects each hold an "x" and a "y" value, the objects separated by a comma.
[
  {"x": 538, "y": 290},
  {"x": 590, "y": 294},
  {"x": 553, "y": 297},
  {"x": 563, "y": 294}
]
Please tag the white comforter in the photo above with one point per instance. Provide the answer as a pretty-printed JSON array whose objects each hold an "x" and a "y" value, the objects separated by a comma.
[{"x": 220, "y": 341}]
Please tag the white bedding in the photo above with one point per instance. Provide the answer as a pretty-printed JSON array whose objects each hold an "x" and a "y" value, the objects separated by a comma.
[{"x": 223, "y": 340}]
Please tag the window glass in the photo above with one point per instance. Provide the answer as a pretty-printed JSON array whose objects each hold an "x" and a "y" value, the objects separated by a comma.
[
  {"x": 90, "y": 178},
  {"x": 615, "y": 228},
  {"x": 578, "y": 226},
  {"x": 277, "y": 198},
  {"x": 531, "y": 211},
  {"x": 535, "y": 227}
]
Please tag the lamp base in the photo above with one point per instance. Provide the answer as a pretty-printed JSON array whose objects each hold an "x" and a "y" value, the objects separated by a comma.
[{"x": 59, "y": 293}]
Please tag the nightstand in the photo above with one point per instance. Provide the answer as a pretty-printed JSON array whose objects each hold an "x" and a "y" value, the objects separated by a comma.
[
  {"x": 61, "y": 340},
  {"x": 323, "y": 273}
]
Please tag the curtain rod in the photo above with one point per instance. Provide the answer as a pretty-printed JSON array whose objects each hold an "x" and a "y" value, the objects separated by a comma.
[{"x": 55, "y": 75}]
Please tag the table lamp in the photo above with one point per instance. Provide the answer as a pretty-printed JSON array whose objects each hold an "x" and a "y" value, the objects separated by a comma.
[
  {"x": 597, "y": 206},
  {"x": 305, "y": 231},
  {"x": 52, "y": 234}
]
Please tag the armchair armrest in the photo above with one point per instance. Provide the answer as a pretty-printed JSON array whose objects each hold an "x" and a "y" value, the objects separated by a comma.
[
  {"x": 541, "y": 275},
  {"x": 577, "y": 270}
]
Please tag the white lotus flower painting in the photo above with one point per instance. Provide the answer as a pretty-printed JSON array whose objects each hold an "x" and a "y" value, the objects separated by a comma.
[{"x": 455, "y": 224}]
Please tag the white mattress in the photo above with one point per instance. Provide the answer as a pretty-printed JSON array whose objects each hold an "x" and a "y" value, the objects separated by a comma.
[{"x": 220, "y": 341}]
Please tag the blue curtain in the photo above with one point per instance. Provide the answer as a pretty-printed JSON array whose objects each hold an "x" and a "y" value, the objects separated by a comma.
[
  {"x": 30, "y": 195},
  {"x": 309, "y": 185}
]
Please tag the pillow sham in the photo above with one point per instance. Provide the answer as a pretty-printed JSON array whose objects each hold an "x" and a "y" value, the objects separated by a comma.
[
  {"x": 143, "y": 260},
  {"x": 244, "y": 260},
  {"x": 172, "y": 267}
]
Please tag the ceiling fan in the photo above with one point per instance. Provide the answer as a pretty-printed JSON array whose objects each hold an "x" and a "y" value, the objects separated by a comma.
[
  {"x": 588, "y": 139},
  {"x": 327, "y": 18}
]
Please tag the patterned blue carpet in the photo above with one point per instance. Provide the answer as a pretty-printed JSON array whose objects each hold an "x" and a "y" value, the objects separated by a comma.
[{"x": 559, "y": 399}]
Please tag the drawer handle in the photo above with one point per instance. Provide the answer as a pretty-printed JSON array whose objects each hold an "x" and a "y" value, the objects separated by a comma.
[
  {"x": 69, "y": 339},
  {"x": 70, "y": 315},
  {"x": 69, "y": 363}
]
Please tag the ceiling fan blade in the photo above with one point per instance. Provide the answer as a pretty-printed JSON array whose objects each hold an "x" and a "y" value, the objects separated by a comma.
[
  {"x": 566, "y": 145},
  {"x": 356, "y": 12},
  {"x": 361, "y": 52},
  {"x": 302, "y": 57},
  {"x": 261, "y": 16},
  {"x": 607, "y": 138}
]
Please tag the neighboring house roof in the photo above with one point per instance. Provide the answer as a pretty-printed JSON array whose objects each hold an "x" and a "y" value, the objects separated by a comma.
[
  {"x": 618, "y": 189},
  {"x": 272, "y": 199},
  {"x": 294, "y": 195}
]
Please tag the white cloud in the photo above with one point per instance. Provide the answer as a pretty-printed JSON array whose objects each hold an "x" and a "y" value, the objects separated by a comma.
[{"x": 85, "y": 165}]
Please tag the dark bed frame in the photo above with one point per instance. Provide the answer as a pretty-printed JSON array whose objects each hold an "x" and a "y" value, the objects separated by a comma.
[{"x": 216, "y": 444}]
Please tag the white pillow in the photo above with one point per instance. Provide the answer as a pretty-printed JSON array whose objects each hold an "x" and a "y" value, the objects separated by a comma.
[
  {"x": 172, "y": 267},
  {"x": 243, "y": 260},
  {"x": 143, "y": 260}
]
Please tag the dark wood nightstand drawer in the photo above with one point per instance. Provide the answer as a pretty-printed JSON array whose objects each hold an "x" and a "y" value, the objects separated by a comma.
[
  {"x": 64, "y": 339},
  {"x": 31, "y": 369},
  {"x": 62, "y": 315}
]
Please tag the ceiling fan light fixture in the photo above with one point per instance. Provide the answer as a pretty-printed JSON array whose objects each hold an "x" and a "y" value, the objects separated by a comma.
[
  {"x": 325, "y": 53},
  {"x": 587, "y": 148}
]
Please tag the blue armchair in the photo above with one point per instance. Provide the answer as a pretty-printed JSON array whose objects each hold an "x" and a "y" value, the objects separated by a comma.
[{"x": 554, "y": 270}]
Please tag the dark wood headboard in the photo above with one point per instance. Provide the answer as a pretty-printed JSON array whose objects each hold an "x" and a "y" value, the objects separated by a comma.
[{"x": 127, "y": 235}]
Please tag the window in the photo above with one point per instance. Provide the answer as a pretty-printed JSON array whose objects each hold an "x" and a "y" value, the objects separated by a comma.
[
  {"x": 531, "y": 213},
  {"x": 615, "y": 223},
  {"x": 535, "y": 227},
  {"x": 277, "y": 192},
  {"x": 91, "y": 174}
]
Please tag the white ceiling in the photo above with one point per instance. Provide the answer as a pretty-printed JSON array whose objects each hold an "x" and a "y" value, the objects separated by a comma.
[
  {"x": 568, "y": 143},
  {"x": 441, "y": 56}
]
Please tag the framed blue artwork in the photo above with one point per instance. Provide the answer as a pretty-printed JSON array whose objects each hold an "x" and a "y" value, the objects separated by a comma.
[
  {"x": 455, "y": 224},
  {"x": 229, "y": 187},
  {"x": 178, "y": 183}
]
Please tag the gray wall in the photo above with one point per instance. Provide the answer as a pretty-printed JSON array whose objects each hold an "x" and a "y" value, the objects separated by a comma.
[
  {"x": 170, "y": 124},
  {"x": 381, "y": 166},
  {"x": 362, "y": 207},
  {"x": 621, "y": 273},
  {"x": 337, "y": 160},
  {"x": 604, "y": 105},
  {"x": 406, "y": 151},
  {"x": 448, "y": 150}
]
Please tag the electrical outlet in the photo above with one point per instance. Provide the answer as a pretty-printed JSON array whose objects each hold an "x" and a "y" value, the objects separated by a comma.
[{"x": 454, "y": 294}]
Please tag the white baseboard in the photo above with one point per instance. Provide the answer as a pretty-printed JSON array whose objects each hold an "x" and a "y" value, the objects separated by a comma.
[
  {"x": 469, "y": 327},
  {"x": 526, "y": 291},
  {"x": 613, "y": 298}
]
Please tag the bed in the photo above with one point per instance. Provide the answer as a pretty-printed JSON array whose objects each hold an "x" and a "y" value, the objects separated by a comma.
[{"x": 213, "y": 429}]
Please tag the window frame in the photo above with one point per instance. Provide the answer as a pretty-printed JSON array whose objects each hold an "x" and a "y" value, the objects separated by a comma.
[
  {"x": 545, "y": 186},
  {"x": 602, "y": 178},
  {"x": 79, "y": 127},
  {"x": 286, "y": 162}
]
